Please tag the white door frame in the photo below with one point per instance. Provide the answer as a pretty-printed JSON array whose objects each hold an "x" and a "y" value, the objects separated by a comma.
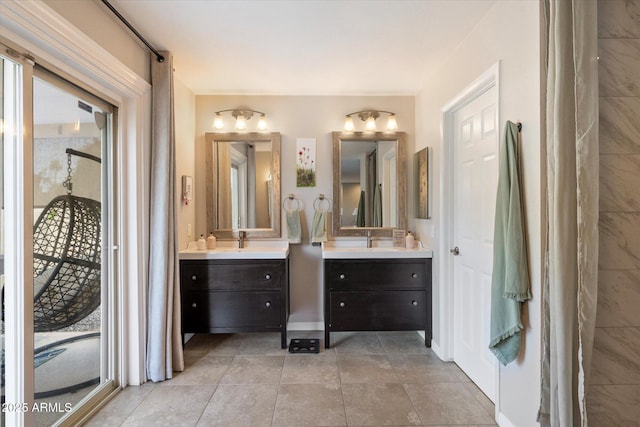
[{"x": 487, "y": 80}]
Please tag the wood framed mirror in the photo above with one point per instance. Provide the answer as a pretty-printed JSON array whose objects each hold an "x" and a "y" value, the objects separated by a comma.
[
  {"x": 369, "y": 183},
  {"x": 243, "y": 184}
]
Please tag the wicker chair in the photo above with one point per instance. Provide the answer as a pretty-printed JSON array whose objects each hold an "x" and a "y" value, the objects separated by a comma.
[{"x": 66, "y": 262}]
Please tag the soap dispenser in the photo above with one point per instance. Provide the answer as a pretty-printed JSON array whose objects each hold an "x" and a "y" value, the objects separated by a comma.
[
  {"x": 201, "y": 243},
  {"x": 211, "y": 241},
  {"x": 409, "y": 241}
]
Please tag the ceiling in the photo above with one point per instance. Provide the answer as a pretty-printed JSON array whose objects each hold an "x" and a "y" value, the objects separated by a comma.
[{"x": 305, "y": 47}]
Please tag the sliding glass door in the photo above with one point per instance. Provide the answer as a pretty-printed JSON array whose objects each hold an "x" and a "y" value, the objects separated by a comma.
[{"x": 63, "y": 306}]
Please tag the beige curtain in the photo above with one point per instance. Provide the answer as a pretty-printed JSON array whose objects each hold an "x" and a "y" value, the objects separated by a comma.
[
  {"x": 571, "y": 258},
  {"x": 164, "y": 339}
]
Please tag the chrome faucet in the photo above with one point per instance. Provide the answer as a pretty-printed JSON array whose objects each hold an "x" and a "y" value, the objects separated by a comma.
[
  {"x": 369, "y": 238},
  {"x": 241, "y": 236}
]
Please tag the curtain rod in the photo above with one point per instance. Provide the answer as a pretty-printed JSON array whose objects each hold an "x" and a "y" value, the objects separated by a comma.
[{"x": 159, "y": 57}]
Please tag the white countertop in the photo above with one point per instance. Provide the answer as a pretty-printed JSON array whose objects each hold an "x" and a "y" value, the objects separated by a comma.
[
  {"x": 357, "y": 249},
  {"x": 228, "y": 249}
]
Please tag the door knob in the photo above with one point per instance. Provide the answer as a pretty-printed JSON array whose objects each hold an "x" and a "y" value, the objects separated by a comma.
[{"x": 455, "y": 251}]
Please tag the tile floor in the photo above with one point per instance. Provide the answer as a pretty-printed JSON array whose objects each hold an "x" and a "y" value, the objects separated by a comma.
[{"x": 365, "y": 379}]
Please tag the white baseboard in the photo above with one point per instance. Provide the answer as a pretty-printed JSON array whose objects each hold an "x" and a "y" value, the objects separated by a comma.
[
  {"x": 503, "y": 421},
  {"x": 305, "y": 326}
]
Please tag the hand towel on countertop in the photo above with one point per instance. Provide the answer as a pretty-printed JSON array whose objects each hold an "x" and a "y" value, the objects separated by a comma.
[
  {"x": 510, "y": 280},
  {"x": 294, "y": 229},
  {"x": 319, "y": 226}
]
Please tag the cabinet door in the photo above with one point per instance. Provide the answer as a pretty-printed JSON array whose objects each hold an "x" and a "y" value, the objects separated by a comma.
[
  {"x": 205, "y": 311},
  {"x": 369, "y": 274},
  {"x": 377, "y": 310}
]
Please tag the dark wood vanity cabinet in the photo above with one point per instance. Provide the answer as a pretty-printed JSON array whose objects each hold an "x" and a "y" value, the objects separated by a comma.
[
  {"x": 229, "y": 296},
  {"x": 377, "y": 295}
]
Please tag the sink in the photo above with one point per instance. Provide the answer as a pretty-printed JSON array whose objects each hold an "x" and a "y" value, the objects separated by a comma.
[
  {"x": 357, "y": 249},
  {"x": 228, "y": 249}
]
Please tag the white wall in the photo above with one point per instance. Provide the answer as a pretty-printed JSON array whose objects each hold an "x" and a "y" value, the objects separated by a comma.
[
  {"x": 509, "y": 34},
  {"x": 297, "y": 117},
  {"x": 185, "y": 121}
]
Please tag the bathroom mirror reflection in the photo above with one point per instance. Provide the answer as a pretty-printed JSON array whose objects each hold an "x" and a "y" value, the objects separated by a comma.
[
  {"x": 369, "y": 183},
  {"x": 243, "y": 184}
]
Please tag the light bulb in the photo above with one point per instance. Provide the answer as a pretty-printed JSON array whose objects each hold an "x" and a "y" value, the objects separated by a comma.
[
  {"x": 370, "y": 123},
  {"x": 241, "y": 122},
  {"x": 76, "y": 126},
  {"x": 218, "y": 123},
  {"x": 262, "y": 122},
  {"x": 391, "y": 122},
  {"x": 348, "y": 124}
]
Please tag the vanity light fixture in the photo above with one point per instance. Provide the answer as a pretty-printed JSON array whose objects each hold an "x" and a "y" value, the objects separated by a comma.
[
  {"x": 370, "y": 117},
  {"x": 242, "y": 115}
]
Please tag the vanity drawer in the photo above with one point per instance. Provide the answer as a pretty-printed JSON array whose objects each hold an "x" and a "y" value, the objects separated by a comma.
[
  {"x": 377, "y": 273},
  {"x": 377, "y": 310},
  {"x": 205, "y": 311},
  {"x": 231, "y": 275}
]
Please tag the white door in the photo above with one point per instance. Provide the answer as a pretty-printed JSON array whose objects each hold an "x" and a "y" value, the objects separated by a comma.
[{"x": 475, "y": 163}]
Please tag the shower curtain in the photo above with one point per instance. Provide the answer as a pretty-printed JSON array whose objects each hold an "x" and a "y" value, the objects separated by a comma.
[
  {"x": 372, "y": 180},
  {"x": 571, "y": 252},
  {"x": 164, "y": 340}
]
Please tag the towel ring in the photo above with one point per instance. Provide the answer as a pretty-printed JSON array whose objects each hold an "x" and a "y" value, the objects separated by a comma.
[
  {"x": 291, "y": 198},
  {"x": 318, "y": 203}
]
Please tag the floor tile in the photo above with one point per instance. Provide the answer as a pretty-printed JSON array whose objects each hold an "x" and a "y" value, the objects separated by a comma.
[
  {"x": 241, "y": 405},
  {"x": 482, "y": 399},
  {"x": 309, "y": 405},
  {"x": 384, "y": 378},
  {"x": 121, "y": 406},
  {"x": 446, "y": 403},
  {"x": 171, "y": 405},
  {"x": 214, "y": 344},
  {"x": 254, "y": 370},
  {"x": 310, "y": 368},
  {"x": 423, "y": 368},
  {"x": 402, "y": 342},
  {"x": 267, "y": 344},
  {"x": 378, "y": 405},
  {"x": 356, "y": 342},
  {"x": 365, "y": 368},
  {"x": 206, "y": 370}
]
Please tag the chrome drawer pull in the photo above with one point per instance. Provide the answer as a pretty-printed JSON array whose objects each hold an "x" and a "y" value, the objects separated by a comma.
[
  {"x": 342, "y": 277},
  {"x": 414, "y": 275},
  {"x": 194, "y": 277},
  {"x": 414, "y": 302},
  {"x": 342, "y": 304},
  {"x": 267, "y": 304},
  {"x": 194, "y": 305},
  {"x": 267, "y": 276}
]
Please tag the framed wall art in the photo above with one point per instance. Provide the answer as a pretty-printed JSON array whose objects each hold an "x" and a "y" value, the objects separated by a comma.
[{"x": 421, "y": 167}]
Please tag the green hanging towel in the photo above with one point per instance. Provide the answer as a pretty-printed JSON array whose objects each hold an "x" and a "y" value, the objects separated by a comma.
[
  {"x": 294, "y": 229},
  {"x": 319, "y": 226},
  {"x": 360, "y": 217},
  {"x": 510, "y": 280},
  {"x": 377, "y": 206}
]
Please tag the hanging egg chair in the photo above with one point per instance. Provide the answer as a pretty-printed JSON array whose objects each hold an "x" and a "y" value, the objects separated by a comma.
[{"x": 66, "y": 258}]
